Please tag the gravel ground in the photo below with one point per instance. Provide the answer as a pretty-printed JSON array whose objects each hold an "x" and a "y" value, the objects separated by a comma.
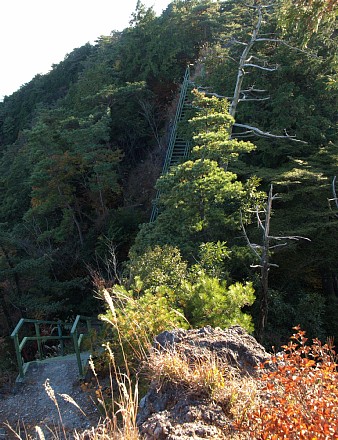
[{"x": 29, "y": 405}]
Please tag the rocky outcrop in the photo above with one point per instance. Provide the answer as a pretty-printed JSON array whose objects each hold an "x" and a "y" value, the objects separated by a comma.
[{"x": 170, "y": 411}]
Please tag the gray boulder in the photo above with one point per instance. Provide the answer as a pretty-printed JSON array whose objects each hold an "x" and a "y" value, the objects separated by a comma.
[{"x": 171, "y": 411}]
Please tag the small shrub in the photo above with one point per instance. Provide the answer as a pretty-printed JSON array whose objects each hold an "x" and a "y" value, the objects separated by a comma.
[
  {"x": 300, "y": 394},
  {"x": 8, "y": 367},
  {"x": 210, "y": 301},
  {"x": 160, "y": 266},
  {"x": 136, "y": 321}
]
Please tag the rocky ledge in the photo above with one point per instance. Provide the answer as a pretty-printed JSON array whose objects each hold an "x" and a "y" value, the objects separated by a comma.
[{"x": 170, "y": 410}]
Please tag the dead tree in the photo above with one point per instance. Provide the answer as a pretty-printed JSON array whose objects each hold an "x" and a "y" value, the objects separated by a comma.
[
  {"x": 263, "y": 253},
  {"x": 246, "y": 63},
  {"x": 334, "y": 192}
]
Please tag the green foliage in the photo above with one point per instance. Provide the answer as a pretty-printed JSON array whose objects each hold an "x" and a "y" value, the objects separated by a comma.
[
  {"x": 200, "y": 196},
  {"x": 18, "y": 110},
  {"x": 160, "y": 266},
  {"x": 71, "y": 140},
  {"x": 159, "y": 48},
  {"x": 310, "y": 309},
  {"x": 285, "y": 311},
  {"x": 299, "y": 102},
  {"x": 136, "y": 320},
  {"x": 303, "y": 18},
  {"x": 196, "y": 291},
  {"x": 212, "y": 257},
  {"x": 209, "y": 301},
  {"x": 211, "y": 130},
  {"x": 165, "y": 294}
]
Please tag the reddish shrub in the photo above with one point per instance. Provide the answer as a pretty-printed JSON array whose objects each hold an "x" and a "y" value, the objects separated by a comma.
[{"x": 299, "y": 397}]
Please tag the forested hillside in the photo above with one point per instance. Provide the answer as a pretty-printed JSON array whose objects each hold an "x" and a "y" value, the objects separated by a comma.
[{"x": 81, "y": 149}]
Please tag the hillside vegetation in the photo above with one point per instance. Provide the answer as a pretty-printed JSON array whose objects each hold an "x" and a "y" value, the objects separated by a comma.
[{"x": 81, "y": 150}]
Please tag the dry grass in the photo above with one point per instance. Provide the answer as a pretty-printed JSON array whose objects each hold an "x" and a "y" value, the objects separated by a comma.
[
  {"x": 120, "y": 410},
  {"x": 202, "y": 375},
  {"x": 206, "y": 376},
  {"x": 131, "y": 334}
]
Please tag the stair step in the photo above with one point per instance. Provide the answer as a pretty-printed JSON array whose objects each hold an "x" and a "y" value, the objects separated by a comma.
[{"x": 178, "y": 148}]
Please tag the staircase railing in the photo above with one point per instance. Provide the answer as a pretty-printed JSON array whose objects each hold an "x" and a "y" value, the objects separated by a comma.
[
  {"x": 173, "y": 134},
  {"x": 78, "y": 337},
  {"x": 73, "y": 334},
  {"x": 172, "y": 139},
  {"x": 20, "y": 344}
]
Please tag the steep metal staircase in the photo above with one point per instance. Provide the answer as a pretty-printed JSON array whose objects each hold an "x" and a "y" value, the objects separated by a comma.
[{"x": 178, "y": 148}]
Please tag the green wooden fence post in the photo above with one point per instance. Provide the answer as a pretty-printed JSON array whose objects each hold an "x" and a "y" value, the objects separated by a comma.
[
  {"x": 18, "y": 355},
  {"x": 37, "y": 334},
  {"x": 77, "y": 353}
]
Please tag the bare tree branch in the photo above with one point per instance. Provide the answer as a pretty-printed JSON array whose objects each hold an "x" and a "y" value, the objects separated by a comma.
[
  {"x": 261, "y": 133},
  {"x": 200, "y": 89},
  {"x": 263, "y": 252},
  {"x": 239, "y": 42},
  {"x": 285, "y": 43},
  {"x": 252, "y": 246},
  {"x": 245, "y": 134},
  {"x": 242, "y": 61},
  {"x": 259, "y": 6},
  {"x": 149, "y": 115},
  {"x": 269, "y": 69},
  {"x": 273, "y": 40},
  {"x": 253, "y": 90},
  {"x": 254, "y": 99},
  {"x": 260, "y": 266},
  {"x": 278, "y": 245},
  {"x": 291, "y": 237}
]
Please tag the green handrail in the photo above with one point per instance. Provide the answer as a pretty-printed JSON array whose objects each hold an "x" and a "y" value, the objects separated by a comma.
[
  {"x": 172, "y": 139},
  {"x": 74, "y": 336},
  {"x": 77, "y": 338},
  {"x": 178, "y": 113},
  {"x": 19, "y": 345}
]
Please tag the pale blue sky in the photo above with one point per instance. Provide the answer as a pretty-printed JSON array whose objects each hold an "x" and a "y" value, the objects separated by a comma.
[{"x": 34, "y": 34}]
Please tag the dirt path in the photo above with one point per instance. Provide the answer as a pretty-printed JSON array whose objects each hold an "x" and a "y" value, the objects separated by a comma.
[{"x": 29, "y": 405}]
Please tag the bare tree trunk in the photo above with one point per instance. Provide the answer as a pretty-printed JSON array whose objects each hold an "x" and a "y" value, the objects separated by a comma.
[
  {"x": 243, "y": 60},
  {"x": 248, "y": 61},
  {"x": 265, "y": 266},
  {"x": 76, "y": 223},
  {"x": 262, "y": 253},
  {"x": 148, "y": 113}
]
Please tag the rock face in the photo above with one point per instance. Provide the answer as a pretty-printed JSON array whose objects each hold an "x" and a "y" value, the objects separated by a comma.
[{"x": 172, "y": 412}]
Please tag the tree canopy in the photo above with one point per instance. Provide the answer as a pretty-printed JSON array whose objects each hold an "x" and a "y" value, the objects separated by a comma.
[{"x": 81, "y": 150}]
